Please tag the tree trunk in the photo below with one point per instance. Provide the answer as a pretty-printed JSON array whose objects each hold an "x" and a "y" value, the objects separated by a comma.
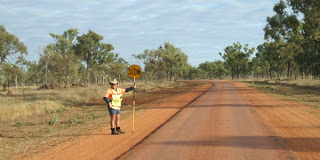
[
  {"x": 46, "y": 74},
  {"x": 244, "y": 67},
  {"x": 67, "y": 73},
  {"x": 16, "y": 81},
  {"x": 102, "y": 79},
  {"x": 270, "y": 70},
  {"x": 86, "y": 83},
  {"x": 288, "y": 71},
  {"x": 60, "y": 80},
  {"x": 232, "y": 72},
  {"x": 238, "y": 76},
  {"x": 267, "y": 74},
  {"x": 8, "y": 82},
  {"x": 145, "y": 79}
]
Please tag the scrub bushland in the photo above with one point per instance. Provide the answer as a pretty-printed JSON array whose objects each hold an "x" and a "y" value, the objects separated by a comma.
[
  {"x": 35, "y": 101},
  {"x": 49, "y": 117}
]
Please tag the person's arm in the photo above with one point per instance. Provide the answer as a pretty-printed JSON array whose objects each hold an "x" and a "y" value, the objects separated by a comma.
[
  {"x": 106, "y": 99},
  {"x": 128, "y": 89}
]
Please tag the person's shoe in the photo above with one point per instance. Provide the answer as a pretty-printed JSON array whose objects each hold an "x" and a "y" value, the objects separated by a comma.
[
  {"x": 114, "y": 132},
  {"x": 121, "y": 132}
]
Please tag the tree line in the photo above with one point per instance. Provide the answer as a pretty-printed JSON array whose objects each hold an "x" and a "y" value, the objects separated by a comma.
[
  {"x": 293, "y": 46},
  {"x": 73, "y": 58},
  {"x": 291, "y": 49}
]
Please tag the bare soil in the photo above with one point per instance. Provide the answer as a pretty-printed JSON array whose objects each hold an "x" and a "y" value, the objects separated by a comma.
[
  {"x": 153, "y": 109},
  {"x": 295, "y": 128},
  {"x": 296, "y": 125}
]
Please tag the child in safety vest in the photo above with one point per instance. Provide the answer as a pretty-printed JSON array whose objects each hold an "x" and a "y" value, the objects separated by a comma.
[{"x": 113, "y": 97}]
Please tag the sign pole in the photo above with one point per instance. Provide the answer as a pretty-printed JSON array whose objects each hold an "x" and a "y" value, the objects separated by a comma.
[
  {"x": 134, "y": 104},
  {"x": 134, "y": 72}
]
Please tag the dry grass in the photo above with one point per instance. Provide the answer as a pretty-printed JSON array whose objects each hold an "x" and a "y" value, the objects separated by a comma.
[
  {"x": 49, "y": 117},
  {"x": 42, "y": 101},
  {"x": 304, "y": 91}
]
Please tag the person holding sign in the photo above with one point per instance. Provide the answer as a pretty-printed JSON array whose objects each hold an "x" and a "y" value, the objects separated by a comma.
[{"x": 113, "y": 97}]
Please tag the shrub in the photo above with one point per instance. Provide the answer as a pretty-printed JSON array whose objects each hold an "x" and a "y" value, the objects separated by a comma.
[
  {"x": 61, "y": 110},
  {"x": 53, "y": 120},
  {"x": 19, "y": 124},
  {"x": 93, "y": 116},
  {"x": 48, "y": 111},
  {"x": 79, "y": 116}
]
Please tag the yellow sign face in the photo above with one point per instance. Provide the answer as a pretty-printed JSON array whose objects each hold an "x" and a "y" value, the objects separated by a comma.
[{"x": 134, "y": 71}]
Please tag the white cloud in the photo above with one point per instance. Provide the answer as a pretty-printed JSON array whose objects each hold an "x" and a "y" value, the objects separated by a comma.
[{"x": 196, "y": 26}]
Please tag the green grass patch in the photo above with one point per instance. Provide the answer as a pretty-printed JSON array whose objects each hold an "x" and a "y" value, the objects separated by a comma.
[
  {"x": 53, "y": 120},
  {"x": 19, "y": 124}
]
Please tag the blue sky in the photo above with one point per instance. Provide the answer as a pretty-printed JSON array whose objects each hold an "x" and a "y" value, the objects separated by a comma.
[{"x": 201, "y": 28}]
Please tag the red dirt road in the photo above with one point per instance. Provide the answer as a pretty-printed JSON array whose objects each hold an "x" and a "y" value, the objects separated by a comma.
[
  {"x": 221, "y": 124},
  {"x": 102, "y": 145},
  {"x": 229, "y": 121}
]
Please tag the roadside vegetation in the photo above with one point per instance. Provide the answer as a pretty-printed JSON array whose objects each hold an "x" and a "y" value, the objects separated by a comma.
[
  {"x": 30, "y": 100},
  {"x": 45, "y": 118},
  {"x": 304, "y": 91}
]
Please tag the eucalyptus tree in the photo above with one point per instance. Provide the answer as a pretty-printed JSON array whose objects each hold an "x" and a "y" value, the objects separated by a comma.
[
  {"x": 245, "y": 58},
  {"x": 19, "y": 71},
  {"x": 166, "y": 62},
  {"x": 237, "y": 57},
  {"x": 11, "y": 56},
  {"x": 65, "y": 46},
  {"x": 33, "y": 73},
  {"x": 92, "y": 51},
  {"x": 118, "y": 69},
  {"x": 45, "y": 59},
  {"x": 221, "y": 70},
  {"x": 209, "y": 69},
  {"x": 230, "y": 57},
  {"x": 259, "y": 65},
  {"x": 10, "y": 45},
  {"x": 194, "y": 73},
  {"x": 154, "y": 65},
  {"x": 269, "y": 54},
  {"x": 297, "y": 22},
  {"x": 176, "y": 61},
  {"x": 52, "y": 66},
  {"x": 7, "y": 70}
]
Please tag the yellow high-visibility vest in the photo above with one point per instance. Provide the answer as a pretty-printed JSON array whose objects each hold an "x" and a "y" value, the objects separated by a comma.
[{"x": 115, "y": 97}]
